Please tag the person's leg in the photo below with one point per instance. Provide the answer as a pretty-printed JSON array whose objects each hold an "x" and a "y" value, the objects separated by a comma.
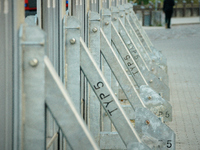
[
  {"x": 169, "y": 21},
  {"x": 167, "y": 18}
]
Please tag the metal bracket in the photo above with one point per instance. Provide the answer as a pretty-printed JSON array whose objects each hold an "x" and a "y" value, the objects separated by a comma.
[
  {"x": 154, "y": 133},
  {"x": 156, "y": 103}
]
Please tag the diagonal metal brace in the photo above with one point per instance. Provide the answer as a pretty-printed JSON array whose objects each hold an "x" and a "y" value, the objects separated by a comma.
[
  {"x": 107, "y": 98},
  {"x": 64, "y": 112},
  {"x": 154, "y": 82}
]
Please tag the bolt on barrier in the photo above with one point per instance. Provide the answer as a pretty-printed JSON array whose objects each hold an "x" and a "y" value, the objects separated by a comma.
[{"x": 88, "y": 78}]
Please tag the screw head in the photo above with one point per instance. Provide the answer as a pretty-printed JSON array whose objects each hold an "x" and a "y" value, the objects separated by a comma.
[
  {"x": 126, "y": 13},
  {"x": 149, "y": 97},
  {"x": 73, "y": 41},
  {"x": 121, "y": 16},
  {"x": 153, "y": 60},
  {"x": 152, "y": 69},
  {"x": 151, "y": 81},
  {"x": 147, "y": 122},
  {"x": 160, "y": 113},
  {"x": 107, "y": 23},
  {"x": 95, "y": 29},
  {"x": 116, "y": 94},
  {"x": 161, "y": 94},
  {"x": 115, "y": 18},
  {"x": 33, "y": 62}
]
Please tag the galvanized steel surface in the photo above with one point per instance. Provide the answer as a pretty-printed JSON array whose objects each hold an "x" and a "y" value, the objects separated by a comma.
[
  {"x": 128, "y": 59},
  {"x": 64, "y": 110},
  {"x": 107, "y": 98}
]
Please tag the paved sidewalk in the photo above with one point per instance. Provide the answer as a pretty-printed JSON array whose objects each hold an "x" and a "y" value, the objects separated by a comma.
[
  {"x": 181, "y": 46},
  {"x": 177, "y": 22},
  {"x": 185, "y": 20}
]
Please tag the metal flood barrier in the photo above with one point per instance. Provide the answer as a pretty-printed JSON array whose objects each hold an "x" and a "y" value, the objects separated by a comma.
[{"x": 86, "y": 78}]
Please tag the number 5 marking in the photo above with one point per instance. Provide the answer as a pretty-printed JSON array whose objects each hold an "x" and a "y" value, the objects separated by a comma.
[
  {"x": 169, "y": 144},
  {"x": 99, "y": 85}
]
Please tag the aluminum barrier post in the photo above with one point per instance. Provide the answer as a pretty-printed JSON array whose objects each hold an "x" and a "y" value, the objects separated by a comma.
[
  {"x": 100, "y": 87},
  {"x": 65, "y": 113},
  {"x": 155, "y": 56},
  {"x": 32, "y": 87},
  {"x": 11, "y": 16},
  {"x": 158, "y": 71},
  {"x": 94, "y": 108},
  {"x": 51, "y": 20},
  {"x": 52, "y": 15},
  {"x": 90, "y": 80},
  {"x": 131, "y": 65},
  {"x": 139, "y": 27},
  {"x": 142, "y": 31},
  {"x": 154, "y": 82},
  {"x": 155, "y": 69},
  {"x": 44, "y": 90},
  {"x": 139, "y": 78},
  {"x": 72, "y": 59},
  {"x": 137, "y": 103},
  {"x": 105, "y": 25},
  {"x": 108, "y": 100}
]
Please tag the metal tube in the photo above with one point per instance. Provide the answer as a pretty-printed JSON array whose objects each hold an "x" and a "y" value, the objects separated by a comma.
[{"x": 52, "y": 140}]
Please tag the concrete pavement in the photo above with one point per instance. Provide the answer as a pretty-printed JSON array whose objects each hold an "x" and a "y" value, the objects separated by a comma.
[
  {"x": 185, "y": 21},
  {"x": 181, "y": 46},
  {"x": 177, "y": 21}
]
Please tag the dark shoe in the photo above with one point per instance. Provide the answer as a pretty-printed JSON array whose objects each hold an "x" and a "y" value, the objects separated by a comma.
[{"x": 165, "y": 25}]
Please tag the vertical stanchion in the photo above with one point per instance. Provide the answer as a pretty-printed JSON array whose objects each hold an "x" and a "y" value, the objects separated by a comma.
[
  {"x": 72, "y": 55},
  {"x": 106, "y": 26},
  {"x": 39, "y": 15},
  {"x": 32, "y": 49},
  {"x": 6, "y": 82},
  {"x": 94, "y": 111},
  {"x": 53, "y": 12},
  {"x": 11, "y": 16}
]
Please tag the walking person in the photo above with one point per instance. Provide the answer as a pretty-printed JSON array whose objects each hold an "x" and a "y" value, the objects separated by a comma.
[{"x": 168, "y": 10}]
